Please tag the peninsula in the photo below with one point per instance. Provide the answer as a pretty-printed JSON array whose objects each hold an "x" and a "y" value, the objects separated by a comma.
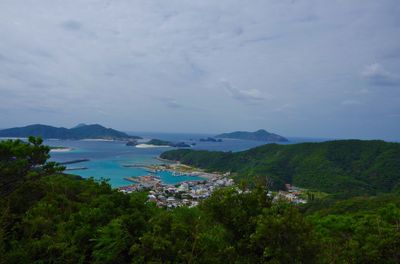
[
  {"x": 343, "y": 167},
  {"x": 82, "y": 131},
  {"x": 259, "y": 135}
]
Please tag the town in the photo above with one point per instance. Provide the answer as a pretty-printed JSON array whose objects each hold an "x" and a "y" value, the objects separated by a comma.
[
  {"x": 190, "y": 193},
  {"x": 187, "y": 193}
]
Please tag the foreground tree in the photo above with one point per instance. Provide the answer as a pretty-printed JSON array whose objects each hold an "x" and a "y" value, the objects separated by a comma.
[{"x": 21, "y": 161}]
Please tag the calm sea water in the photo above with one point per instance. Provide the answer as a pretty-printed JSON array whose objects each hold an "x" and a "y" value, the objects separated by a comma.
[{"x": 107, "y": 158}]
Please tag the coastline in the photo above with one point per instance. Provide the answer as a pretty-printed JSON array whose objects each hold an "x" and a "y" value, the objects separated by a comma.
[
  {"x": 178, "y": 169},
  {"x": 151, "y": 146},
  {"x": 165, "y": 160},
  {"x": 61, "y": 149},
  {"x": 186, "y": 193}
]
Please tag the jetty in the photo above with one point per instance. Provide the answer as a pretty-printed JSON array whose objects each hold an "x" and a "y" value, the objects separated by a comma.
[
  {"x": 131, "y": 179},
  {"x": 78, "y": 168},
  {"x": 73, "y": 161}
]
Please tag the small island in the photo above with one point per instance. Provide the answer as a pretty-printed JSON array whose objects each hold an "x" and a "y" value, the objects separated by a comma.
[
  {"x": 162, "y": 143},
  {"x": 158, "y": 142},
  {"x": 259, "y": 135}
]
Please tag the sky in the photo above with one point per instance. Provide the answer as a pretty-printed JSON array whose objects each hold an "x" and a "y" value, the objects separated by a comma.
[{"x": 293, "y": 67}]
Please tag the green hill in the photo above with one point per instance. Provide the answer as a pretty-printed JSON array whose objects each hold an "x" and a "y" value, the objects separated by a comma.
[
  {"x": 259, "y": 135},
  {"x": 345, "y": 167},
  {"x": 81, "y": 131}
]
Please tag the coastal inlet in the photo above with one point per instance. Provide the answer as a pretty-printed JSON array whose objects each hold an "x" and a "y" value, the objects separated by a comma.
[{"x": 115, "y": 161}]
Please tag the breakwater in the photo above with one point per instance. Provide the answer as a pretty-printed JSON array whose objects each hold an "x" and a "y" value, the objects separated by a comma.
[{"x": 74, "y": 161}]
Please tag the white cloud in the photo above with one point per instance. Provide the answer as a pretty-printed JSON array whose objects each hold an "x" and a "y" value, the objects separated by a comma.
[
  {"x": 377, "y": 74},
  {"x": 247, "y": 96},
  {"x": 116, "y": 57}
]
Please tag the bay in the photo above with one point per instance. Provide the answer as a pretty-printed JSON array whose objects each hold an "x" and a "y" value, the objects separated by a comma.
[{"x": 107, "y": 158}]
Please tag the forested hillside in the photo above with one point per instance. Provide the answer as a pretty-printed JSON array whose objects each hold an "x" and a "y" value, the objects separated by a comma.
[
  {"x": 49, "y": 217},
  {"x": 344, "y": 167},
  {"x": 81, "y": 131}
]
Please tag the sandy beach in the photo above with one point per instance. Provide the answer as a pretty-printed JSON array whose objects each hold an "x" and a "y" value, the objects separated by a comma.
[
  {"x": 150, "y": 146},
  {"x": 61, "y": 149}
]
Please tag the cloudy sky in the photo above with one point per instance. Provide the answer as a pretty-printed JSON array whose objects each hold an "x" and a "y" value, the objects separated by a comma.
[{"x": 294, "y": 67}]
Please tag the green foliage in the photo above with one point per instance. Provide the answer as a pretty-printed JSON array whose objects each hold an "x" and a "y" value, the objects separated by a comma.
[
  {"x": 360, "y": 237},
  {"x": 20, "y": 161},
  {"x": 344, "y": 168},
  {"x": 279, "y": 231}
]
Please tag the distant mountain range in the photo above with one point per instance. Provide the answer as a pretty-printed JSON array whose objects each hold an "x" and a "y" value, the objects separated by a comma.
[
  {"x": 259, "y": 135},
  {"x": 81, "y": 131}
]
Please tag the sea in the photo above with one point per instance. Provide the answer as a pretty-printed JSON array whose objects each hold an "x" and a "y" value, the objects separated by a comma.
[{"x": 110, "y": 160}]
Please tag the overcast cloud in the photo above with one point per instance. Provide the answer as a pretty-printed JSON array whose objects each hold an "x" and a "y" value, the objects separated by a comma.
[{"x": 297, "y": 68}]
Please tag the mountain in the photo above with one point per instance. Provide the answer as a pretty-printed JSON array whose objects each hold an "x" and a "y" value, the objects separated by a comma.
[
  {"x": 97, "y": 131},
  {"x": 81, "y": 131},
  {"x": 344, "y": 167},
  {"x": 80, "y": 125},
  {"x": 259, "y": 135}
]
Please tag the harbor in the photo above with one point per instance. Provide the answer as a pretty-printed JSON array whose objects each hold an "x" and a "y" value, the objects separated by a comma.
[{"x": 186, "y": 193}]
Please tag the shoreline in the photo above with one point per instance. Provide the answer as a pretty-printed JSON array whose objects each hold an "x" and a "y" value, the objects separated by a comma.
[
  {"x": 151, "y": 146},
  {"x": 165, "y": 160},
  {"x": 176, "y": 170},
  {"x": 60, "y": 149}
]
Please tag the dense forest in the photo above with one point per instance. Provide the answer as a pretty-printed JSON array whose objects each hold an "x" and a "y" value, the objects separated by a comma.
[
  {"x": 344, "y": 168},
  {"x": 50, "y": 217}
]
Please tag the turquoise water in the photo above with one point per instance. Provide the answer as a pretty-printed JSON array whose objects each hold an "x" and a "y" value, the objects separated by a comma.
[
  {"x": 106, "y": 158},
  {"x": 116, "y": 172}
]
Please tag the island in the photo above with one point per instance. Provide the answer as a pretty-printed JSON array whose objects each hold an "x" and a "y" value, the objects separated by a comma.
[
  {"x": 259, "y": 135},
  {"x": 158, "y": 142},
  {"x": 81, "y": 131},
  {"x": 163, "y": 143}
]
